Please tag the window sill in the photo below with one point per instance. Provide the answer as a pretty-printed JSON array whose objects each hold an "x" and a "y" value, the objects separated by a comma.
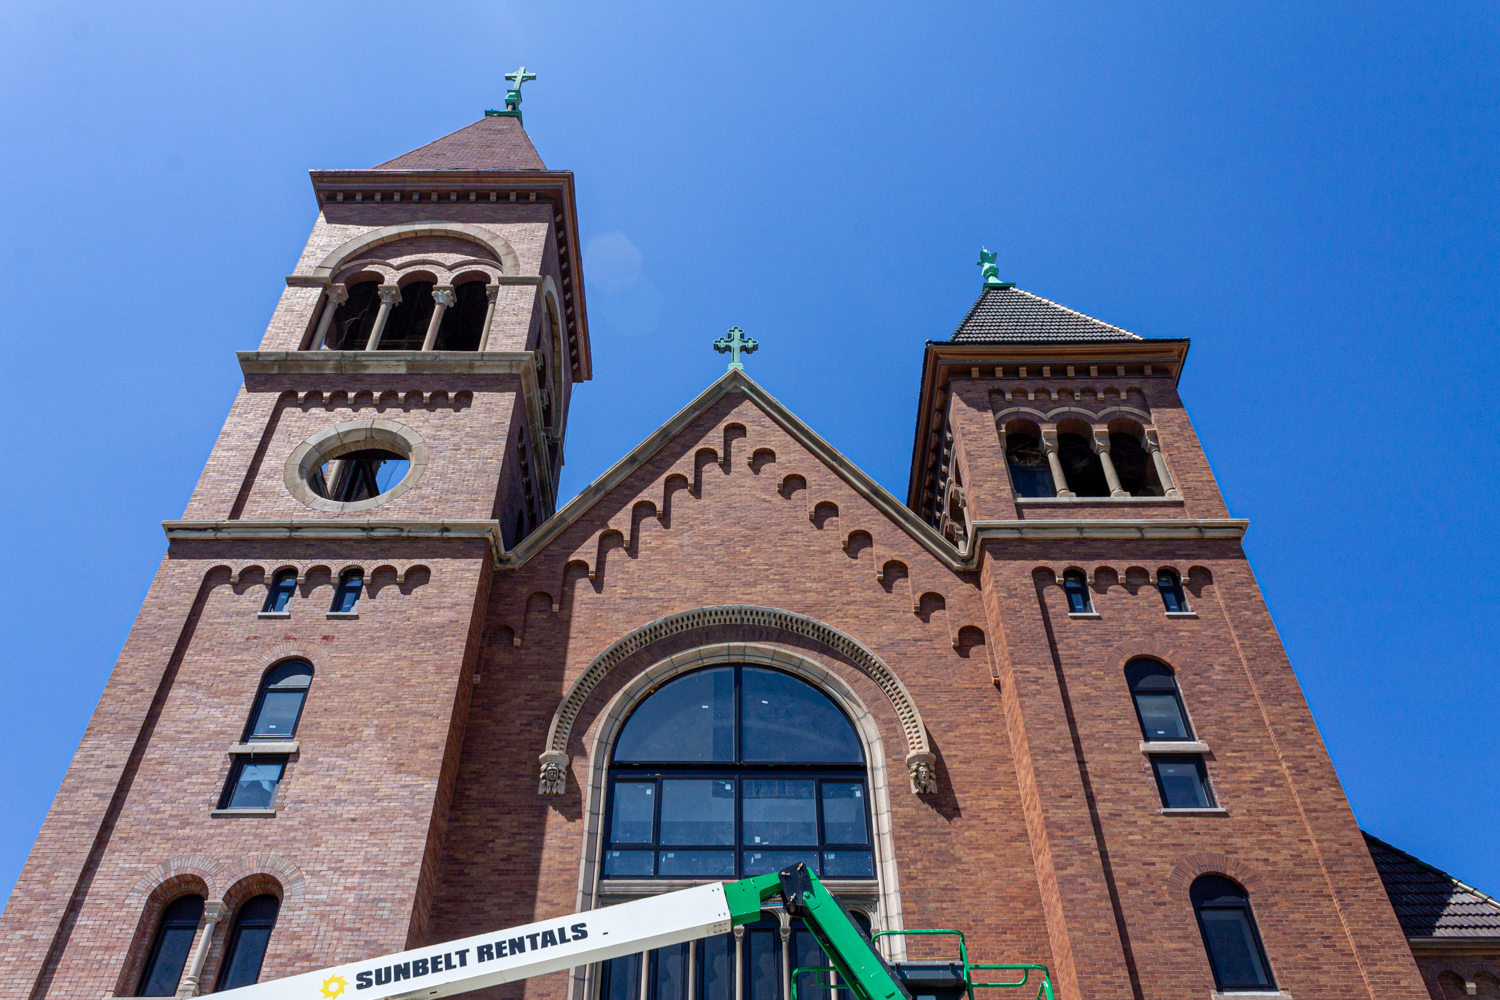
[
  {"x": 1042, "y": 501},
  {"x": 269, "y": 747},
  {"x": 1173, "y": 746},
  {"x": 1183, "y": 614},
  {"x": 1084, "y": 614},
  {"x": 1237, "y": 995},
  {"x": 344, "y": 614},
  {"x": 243, "y": 812},
  {"x": 1196, "y": 811},
  {"x": 274, "y": 614}
]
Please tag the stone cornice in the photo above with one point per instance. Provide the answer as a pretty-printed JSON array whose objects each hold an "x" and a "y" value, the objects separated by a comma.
[
  {"x": 323, "y": 280},
  {"x": 342, "y": 530},
  {"x": 388, "y": 363},
  {"x": 1113, "y": 528},
  {"x": 1428, "y": 945}
]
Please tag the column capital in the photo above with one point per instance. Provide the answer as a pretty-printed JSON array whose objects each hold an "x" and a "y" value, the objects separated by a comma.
[
  {"x": 214, "y": 912},
  {"x": 445, "y": 296},
  {"x": 1151, "y": 442},
  {"x": 491, "y": 292},
  {"x": 390, "y": 295},
  {"x": 1049, "y": 439},
  {"x": 338, "y": 293},
  {"x": 1101, "y": 440}
]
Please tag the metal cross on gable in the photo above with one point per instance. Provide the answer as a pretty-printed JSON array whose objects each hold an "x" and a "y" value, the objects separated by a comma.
[
  {"x": 513, "y": 96},
  {"x": 734, "y": 343}
]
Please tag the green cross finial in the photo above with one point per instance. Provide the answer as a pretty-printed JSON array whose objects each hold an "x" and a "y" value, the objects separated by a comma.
[
  {"x": 991, "y": 271},
  {"x": 734, "y": 344},
  {"x": 513, "y": 95}
]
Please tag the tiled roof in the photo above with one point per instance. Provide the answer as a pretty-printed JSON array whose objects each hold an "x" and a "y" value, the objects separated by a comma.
[
  {"x": 493, "y": 143},
  {"x": 1009, "y": 315},
  {"x": 1430, "y": 903}
]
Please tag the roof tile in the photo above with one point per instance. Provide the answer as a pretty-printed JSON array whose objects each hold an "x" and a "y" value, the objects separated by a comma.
[
  {"x": 495, "y": 142},
  {"x": 1430, "y": 903},
  {"x": 1010, "y": 315}
]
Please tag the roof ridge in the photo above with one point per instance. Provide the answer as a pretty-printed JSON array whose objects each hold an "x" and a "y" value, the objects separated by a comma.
[
  {"x": 1466, "y": 887},
  {"x": 1075, "y": 312}
]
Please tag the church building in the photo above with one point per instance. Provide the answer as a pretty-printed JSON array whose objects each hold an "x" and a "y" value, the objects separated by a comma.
[{"x": 384, "y": 692}]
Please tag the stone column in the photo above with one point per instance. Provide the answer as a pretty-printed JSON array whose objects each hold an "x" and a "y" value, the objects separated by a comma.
[
  {"x": 491, "y": 292},
  {"x": 337, "y": 296},
  {"x": 1101, "y": 447},
  {"x": 1059, "y": 481},
  {"x": 785, "y": 930},
  {"x": 1153, "y": 446},
  {"x": 390, "y": 297},
  {"x": 212, "y": 913},
  {"x": 444, "y": 297}
]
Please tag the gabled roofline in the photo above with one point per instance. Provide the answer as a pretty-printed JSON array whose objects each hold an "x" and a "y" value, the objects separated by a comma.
[
  {"x": 1466, "y": 887},
  {"x": 737, "y": 381}
]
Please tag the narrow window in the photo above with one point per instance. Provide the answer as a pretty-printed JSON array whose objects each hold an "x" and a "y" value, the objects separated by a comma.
[
  {"x": 1158, "y": 703},
  {"x": 281, "y": 591},
  {"x": 169, "y": 952},
  {"x": 1132, "y": 465},
  {"x": 1075, "y": 585},
  {"x": 346, "y": 598},
  {"x": 1170, "y": 585},
  {"x": 406, "y": 326},
  {"x": 1230, "y": 936},
  {"x": 1182, "y": 781},
  {"x": 247, "y": 942},
  {"x": 253, "y": 782},
  {"x": 278, "y": 704}
]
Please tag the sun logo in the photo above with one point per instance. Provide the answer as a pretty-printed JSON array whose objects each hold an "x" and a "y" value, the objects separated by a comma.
[{"x": 333, "y": 986}]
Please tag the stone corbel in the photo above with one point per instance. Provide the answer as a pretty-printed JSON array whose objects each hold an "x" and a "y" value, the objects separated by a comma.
[
  {"x": 921, "y": 765},
  {"x": 554, "y": 776}
]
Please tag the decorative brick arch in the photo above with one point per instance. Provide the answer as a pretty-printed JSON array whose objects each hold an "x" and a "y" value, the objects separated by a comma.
[
  {"x": 274, "y": 872},
  {"x": 183, "y": 868},
  {"x": 288, "y": 650},
  {"x": 1127, "y": 651},
  {"x": 509, "y": 260},
  {"x": 920, "y": 760},
  {"x": 1180, "y": 879}
]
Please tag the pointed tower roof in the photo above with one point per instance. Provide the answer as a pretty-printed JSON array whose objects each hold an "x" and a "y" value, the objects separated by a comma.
[
  {"x": 495, "y": 142},
  {"x": 1004, "y": 314}
]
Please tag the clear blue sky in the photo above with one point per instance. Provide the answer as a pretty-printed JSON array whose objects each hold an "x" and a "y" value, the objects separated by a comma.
[{"x": 1309, "y": 192}]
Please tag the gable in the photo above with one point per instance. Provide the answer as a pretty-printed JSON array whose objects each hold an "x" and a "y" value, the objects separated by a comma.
[{"x": 741, "y": 430}]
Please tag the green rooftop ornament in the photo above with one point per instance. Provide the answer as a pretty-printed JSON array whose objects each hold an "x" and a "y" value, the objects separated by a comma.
[
  {"x": 735, "y": 343},
  {"x": 512, "y": 96},
  {"x": 991, "y": 271}
]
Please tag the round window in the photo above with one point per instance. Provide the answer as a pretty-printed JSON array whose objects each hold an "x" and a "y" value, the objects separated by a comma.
[{"x": 355, "y": 466}]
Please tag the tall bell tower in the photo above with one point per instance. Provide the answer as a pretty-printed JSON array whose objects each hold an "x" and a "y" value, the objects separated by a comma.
[{"x": 400, "y": 428}]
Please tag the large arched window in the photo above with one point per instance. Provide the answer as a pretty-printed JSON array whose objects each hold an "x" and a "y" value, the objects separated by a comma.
[
  {"x": 737, "y": 771},
  {"x": 1230, "y": 936},
  {"x": 169, "y": 949},
  {"x": 248, "y": 941}
]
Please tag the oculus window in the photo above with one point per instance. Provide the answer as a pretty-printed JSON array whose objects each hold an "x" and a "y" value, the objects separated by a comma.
[
  {"x": 359, "y": 475},
  {"x": 737, "y": 771},
  {"x": 1230, "y": 936},
  {"x": 169, "y": 949}
]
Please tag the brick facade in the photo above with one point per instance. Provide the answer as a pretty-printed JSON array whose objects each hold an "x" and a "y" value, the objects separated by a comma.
[{"x": 411, "y": 812}]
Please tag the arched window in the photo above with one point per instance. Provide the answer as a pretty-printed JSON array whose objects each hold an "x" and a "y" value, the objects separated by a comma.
[
  {"x": 406, "y": 326},
  {"x": 1158, "y": 703},
  {"x": 346, "y": 597},
  {"x": 1030, "y": 473},
  {"x": 1132, "y": 465},
  {"x": 169, "y": 950},
  {"x": 354, "y": 319},
  {"x": 1076, "y": 586},
  {"x": 463, "y": 322},
  {"x": 247, "y": 942},
  {"x": 737, "y": 771},
  {"x": 1230, "y": 936},
  {"x": 1081, "y": 466},
  {"x": 281, "y": 591},
  {"x": 278, "y": 704},
  {"x": 1170, "y": 585}
]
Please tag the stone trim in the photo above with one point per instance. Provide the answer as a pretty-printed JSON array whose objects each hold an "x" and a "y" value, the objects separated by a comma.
[
  {"x": 268, "y": 747},
  {"x": 1219, "y": 527},
  {"x": 1149, "y": 747},
  {"x": 919, "y": 758},
  {"x": 510, "y": 261},
  {"x": 329, "y": 529},
  {"x": 386, "y": 362},
  {"x": 354, "y": 435},
  {"x": 1282, "y": 994}
]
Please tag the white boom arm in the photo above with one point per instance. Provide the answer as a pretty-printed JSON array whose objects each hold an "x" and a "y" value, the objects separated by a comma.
[{"x": 471, "y": 963}]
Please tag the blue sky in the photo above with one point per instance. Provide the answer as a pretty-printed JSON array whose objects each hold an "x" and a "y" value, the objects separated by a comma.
[{"x": 1309, "y": 192}]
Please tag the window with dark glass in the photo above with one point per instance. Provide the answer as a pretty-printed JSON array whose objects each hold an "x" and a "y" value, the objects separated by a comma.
[
  {"x": 1081, "y": 466},
  {"x": 1170, "y": 585},
  {"x": 359, "y": 475},
  {"x": 278, "y": 703},
  {"x": 346, "y": 597},
  {"x": 282, "y": 589},
  {"x": 1158, "y": 703},
  {"x": 247, "y": 942},
  {"x": 1182, "y": 781},
  {"x": 463, "y": 322},
  {"x": 736, "y": 771},
  {"x": 1230, "y": 936},
  {"x": 354, "y": 320},
  {"x": 406, "y": 325},
  {"x": 169, "y": 949},
  {"x": 1132, "y": 465},
  {"x": 1076, "y": 586},
  {"x": 252, "y": 782},
  {"x": 711, "y": 965},
  {"x": 1030, "y": 473}
]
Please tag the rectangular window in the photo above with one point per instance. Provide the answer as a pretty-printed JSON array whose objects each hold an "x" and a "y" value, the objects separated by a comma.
[
  {"x": 1182, "y": 781},
  {"x": 697, "y": 812},
  {"x": 780, "y": 812},
  {"x": 1161, "y": 716},
  {"x": 635, "y": 813},
  {"x": 253, "y": 782}
]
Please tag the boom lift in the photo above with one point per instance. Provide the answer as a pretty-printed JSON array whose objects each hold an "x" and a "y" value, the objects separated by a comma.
[{"x": 534, "y": 949}]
